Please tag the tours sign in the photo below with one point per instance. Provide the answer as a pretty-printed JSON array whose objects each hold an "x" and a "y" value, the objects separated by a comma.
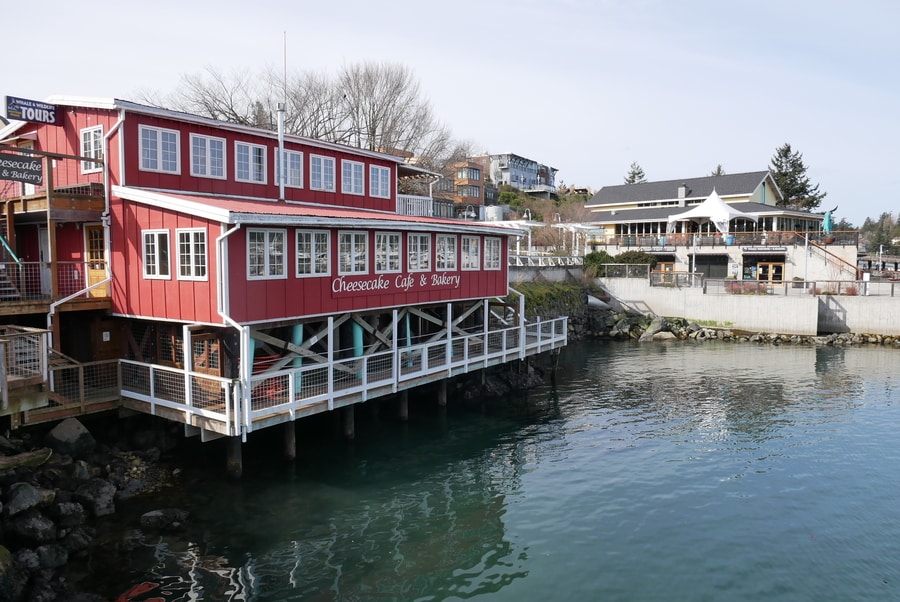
[
  {"x": 21, "y": 168},
  {"x": 23, "y": 109}
]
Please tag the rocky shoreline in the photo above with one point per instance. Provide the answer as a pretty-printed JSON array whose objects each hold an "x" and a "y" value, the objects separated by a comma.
[{"x": 54, "y": 487}]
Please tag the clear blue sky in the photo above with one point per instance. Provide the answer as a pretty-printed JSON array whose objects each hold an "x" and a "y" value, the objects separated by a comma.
[{"x": 587, "y": 86}]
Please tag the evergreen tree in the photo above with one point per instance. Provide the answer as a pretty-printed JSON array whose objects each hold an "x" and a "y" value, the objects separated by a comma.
[
  {"x": 635, "y": 174},
  {"x": 789, "y": 173},
  {"x": 718, "y": 171}
]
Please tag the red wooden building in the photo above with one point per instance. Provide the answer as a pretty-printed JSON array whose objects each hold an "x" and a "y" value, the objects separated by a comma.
[{"x": 237, "y": 278}]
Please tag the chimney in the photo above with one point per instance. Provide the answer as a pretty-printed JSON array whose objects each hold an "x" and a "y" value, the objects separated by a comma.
[{"x": 682, "y": 193}]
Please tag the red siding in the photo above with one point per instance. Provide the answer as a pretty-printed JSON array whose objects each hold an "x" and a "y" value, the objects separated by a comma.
[
  {"x": 173, "y": 298},
  {"x": 295, "y": 297},
  {"x": 229, "y": 186}
]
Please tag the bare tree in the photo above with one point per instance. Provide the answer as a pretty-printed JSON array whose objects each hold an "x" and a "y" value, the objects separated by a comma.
[{"x": 376, "y": 106}]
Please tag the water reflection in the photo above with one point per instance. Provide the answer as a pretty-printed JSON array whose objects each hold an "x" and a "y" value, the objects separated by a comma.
[{"x": 630, "y": 463}]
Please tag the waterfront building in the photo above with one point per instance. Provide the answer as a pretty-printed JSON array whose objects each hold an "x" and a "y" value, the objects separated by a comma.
[
  {"x": 727, "y": 226},
  {"x": 232, "y": 278}
]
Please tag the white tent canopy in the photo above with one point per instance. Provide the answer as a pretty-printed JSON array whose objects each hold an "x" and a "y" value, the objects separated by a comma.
[{"x": 713, "y": 210}]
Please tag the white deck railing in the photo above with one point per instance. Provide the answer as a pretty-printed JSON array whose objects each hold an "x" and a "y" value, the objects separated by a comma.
[
  {"x": 303, "y": 390},
  {"x": 419, "y": 206}
]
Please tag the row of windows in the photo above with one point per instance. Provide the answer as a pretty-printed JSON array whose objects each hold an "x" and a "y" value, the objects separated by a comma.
[
  {"x": 161, "y": 152},
  {"x": 267, "y": 257}
]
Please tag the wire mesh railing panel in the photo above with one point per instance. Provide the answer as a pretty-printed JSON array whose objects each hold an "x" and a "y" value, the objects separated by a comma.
[
  {"x": 136, "y": 378},
  {"x": 23, "y": 354},
  {"x": 313, "y": 382},
  {"x": 168, "y": 385},
  {"x": 270, "y": 391},
  {"x": 380, "y": 367},
  {"x": 411, "y": 361},
  {"x": 347, "y": 374},
  {"x": 86, "y": 382},
  {"x": 209, "y": 393}
]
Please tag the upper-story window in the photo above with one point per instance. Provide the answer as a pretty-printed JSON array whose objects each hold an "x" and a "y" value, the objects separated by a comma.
[
  {"x": 207, "y": 156},
  {"x": 266, "y": 258},
  {"x": 353, "y": 256},
  {"x": 92, "y": 147},
  {"x": 468, "y": 173},
  {"x": 352, "y": 181},
  {"x": 250, "y": 163},
  {"x": 321, "y": 173},
  {"x": 491, "y": 253},
  {"x": 468, "y": 190},
  {"x": 387, "y": 252},
  {"x": 313, "y": 253},
  {"x": 419, "y": 252},
  {"x": 379, "y": 182},
  {"x": 293, "y": 168},
  {"x": 156, "y": 254},
  {"x": 160, "y": 150},
  {"x": 471, "y": 253},
  {"x": 191, "y": 254},
  {"x": 445, "y": 253}
]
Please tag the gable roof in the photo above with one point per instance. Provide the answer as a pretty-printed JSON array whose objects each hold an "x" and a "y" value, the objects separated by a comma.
[{"x": 697, "y": 188}]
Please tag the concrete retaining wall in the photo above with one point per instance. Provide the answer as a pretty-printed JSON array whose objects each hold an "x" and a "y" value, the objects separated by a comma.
[
  {"x": 756, "y": 313},
  {"x": 786, "y": 314}
]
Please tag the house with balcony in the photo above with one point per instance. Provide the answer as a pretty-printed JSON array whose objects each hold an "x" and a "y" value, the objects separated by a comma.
[
  {"x": 231, "y": 278},
  {"x": 522, "y": 173},
  {"x": 727, "y": 226}
]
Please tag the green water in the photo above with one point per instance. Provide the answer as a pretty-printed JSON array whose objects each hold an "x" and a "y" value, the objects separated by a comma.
[{"x": 650, "y": 472}]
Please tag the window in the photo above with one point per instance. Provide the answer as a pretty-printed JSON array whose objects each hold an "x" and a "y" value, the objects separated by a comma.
[
  {"x": 250, "y": 163},
  {"x": 468, "y": 173},
  {"x": 156, "y": 254},
  {"x": 492, "y": 253},
  {"x": 353, "y": 253},
  {"x": 191, "y": 254},
  {"x": 352, "y": 177},
  {"x": 293, "y": 169},
  {"x": 419, "y": 252},
  {"x": 446, "y": 252},
  {"x": 387, "y": 252},
  {"x": 471, "y": 252},
  {"x": 313, "y": 253},
  {"x": 92, "y": 147},
  {"x": 321, "y": 173},
  {"x": 265, "y": 254},
  {"x": 207, "y": 156},
  {"x": 469, "y": 190},
  {"x": 379, "y": 182},
  {"x": 160, "y": 150}
]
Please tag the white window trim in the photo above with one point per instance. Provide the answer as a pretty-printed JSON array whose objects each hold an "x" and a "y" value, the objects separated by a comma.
[
  {"x": 208, "y": 163},
  {"x": 399, "y": 253},
  {"x": 490, "y": 262},
  {"x": 352, "y": 184},
  {"x": 156, "y": 234},
  {"x": 93, "y": 153},
  {"x": 313, "y": 273},
  {"x": 409, "y": 246},
  {"x": 385, "y": 176},
  {"x": 466, "y": 256},
  {"x": 324, "y": 187},
  {"x": 265, "y": 167},
  {"x": 159, "y": 151},
  {"x": 268, "y": 275},
  {"x": 353, "y": 233},
  {"x": 193, "y": 263},
  {"x": 279, "y": 164},
  {"x": 446, "y": 268}
]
